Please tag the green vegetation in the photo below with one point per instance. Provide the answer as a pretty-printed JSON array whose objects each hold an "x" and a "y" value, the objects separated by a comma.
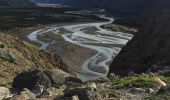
[
  {"x": 166, "y": 79},
  {"x": 120, "y": 28},
  {"x": 3, "y": 85},
  {"x": 136, "y": 81},
  {"x": 159, "y": 97},
  {"x": 105, "y": 93},
  {"x": 141, "y": 81}
]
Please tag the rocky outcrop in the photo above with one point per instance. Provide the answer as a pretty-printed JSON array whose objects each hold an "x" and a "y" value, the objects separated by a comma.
[
  {"x": 31, "y": 79},
  {"x": 148, "y": 50},
  {"x": 42, "y": 78}
]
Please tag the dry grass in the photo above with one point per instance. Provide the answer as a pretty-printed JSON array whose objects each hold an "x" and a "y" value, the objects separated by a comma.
[{"x": 27, "y": 57}]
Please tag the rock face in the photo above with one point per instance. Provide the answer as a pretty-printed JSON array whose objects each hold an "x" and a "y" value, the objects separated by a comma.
[
  {"x": 148, "y": 50},
  {"x": 17, "y": 3}
]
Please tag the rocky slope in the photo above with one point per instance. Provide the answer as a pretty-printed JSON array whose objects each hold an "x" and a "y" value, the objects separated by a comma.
[
  {"x": 17, "y": 56},
  {"x": 148, "y": 50},
  {"x": 17, "y": 3}
]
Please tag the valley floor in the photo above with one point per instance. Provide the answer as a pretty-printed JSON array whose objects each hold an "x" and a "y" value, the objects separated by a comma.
[{"x": 83, "y": 45}]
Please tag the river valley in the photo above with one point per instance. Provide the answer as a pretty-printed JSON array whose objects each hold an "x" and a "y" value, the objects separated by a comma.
[{"x": 104, "y": 44}]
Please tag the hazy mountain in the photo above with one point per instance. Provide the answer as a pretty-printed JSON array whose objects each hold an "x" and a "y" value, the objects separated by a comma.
[{"x": 17, "y": 3}]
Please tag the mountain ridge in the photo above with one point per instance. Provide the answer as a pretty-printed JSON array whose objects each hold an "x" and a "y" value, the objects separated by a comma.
[
  {"x": 121, "y": 5},
  {"x": 17, "y": 3}
]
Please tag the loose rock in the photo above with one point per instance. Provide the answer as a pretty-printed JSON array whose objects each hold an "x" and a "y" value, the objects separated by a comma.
[
  {"x": 5, "y": 55},
  {"x": 83, "y": 93},
  {"x": 24, "y": 95},
  {"x": 4, "y": 93},
  {"x": 131, "y": 73},
  {"x": 38, "y": 89},
  {"x": 58, "y": 78},
  {"x": 75, "y": 97},
  {"x": 160, "y": 84},
  {"x": 150, "y": 90},
  {"x": 92, "y": 86}
]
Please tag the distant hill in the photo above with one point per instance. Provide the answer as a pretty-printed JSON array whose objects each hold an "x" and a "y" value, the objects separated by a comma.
[
  {"x": 121, "y": 5},
  {"x": 130, "y": 12},
  {"x": 17, "y": 3}
]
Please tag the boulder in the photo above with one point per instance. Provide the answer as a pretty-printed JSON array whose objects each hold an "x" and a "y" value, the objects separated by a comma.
[
  {"x": 4, "y": 93},
  {"x": 150, "y": 90},
  {"x": 46, "y": 79},
  {"x": 25, "y": 94},
  {"x": 56, "y": 92},
  {"x": 45, "y": 94},
  {"x": 75, "y": 97},
  {"x": 5, "y": 55},
  {"x": 131, "y": 73},
  {"x": 159, "y": 83},
  {"x": 38, "y": 90},
  {"x": 59, "y": 77},
  {"x": 82, "y": 93},
  {"x": 31, "y": 79},
  {"x": 92, "y": 86}
]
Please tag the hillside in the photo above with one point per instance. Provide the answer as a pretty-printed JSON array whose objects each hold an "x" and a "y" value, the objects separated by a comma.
[
  {"x": 17, "y": 3},
  {"x": 17, "y": 56},
  {"x": 148, "y": 50},
  {"x": 128, "y": 12}
]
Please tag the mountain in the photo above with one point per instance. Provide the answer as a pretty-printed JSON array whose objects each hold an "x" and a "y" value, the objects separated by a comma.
[
  {"x": 130, "y": 12},
  {"x": 121, "y": 5},
  {"x": 148, "y": 50},
  {"x": 17, "y": 3}
]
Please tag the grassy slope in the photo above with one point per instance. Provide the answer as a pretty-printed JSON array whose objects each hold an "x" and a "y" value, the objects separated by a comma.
[{"x": 26, "y": 57}]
